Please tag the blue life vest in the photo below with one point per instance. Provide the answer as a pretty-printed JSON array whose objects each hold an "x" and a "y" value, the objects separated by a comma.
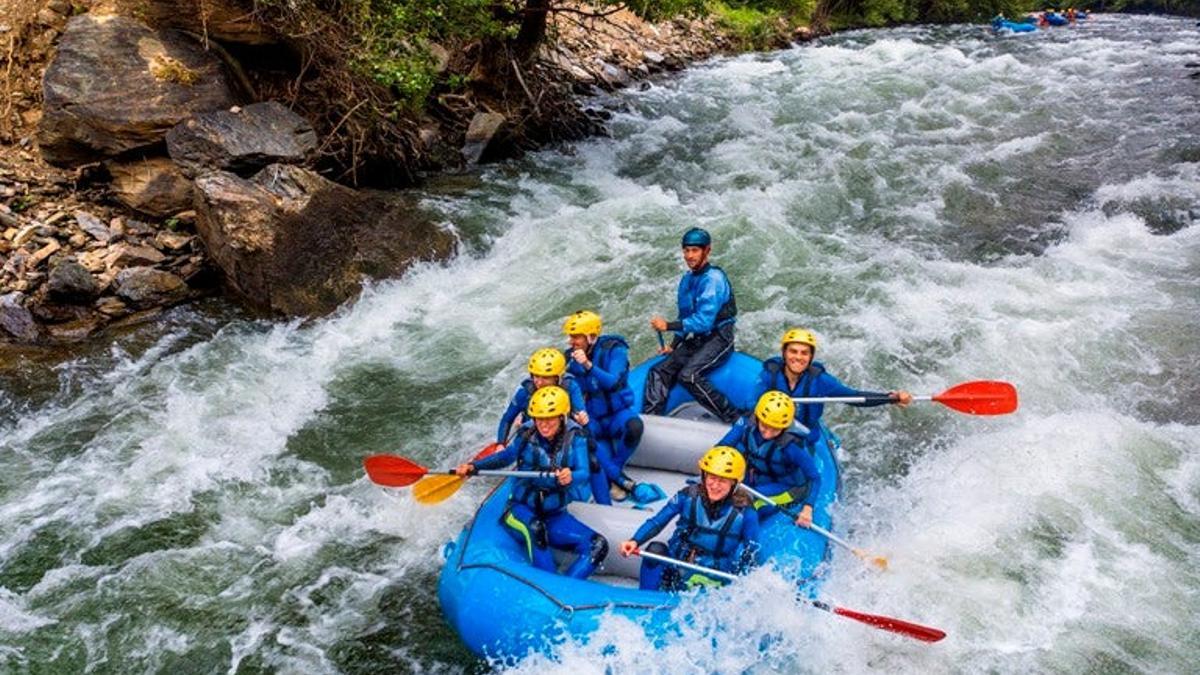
[
  {"x": 537, "y": 454},
  {"x": 808, "y": 414},
  {"x": 712, "y": 542},
  {"x": 603, "y": 402},
  {"x": 768, "y": 459}
]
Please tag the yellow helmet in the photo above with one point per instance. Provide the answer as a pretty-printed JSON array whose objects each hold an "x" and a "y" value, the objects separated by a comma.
[
  {"x": 547, "y": 362},
  {"x": 724, "y": 461},
  {"x": 801, "y": 335},
  {"x": 549, "y": 402},
  {"x": 582, "y": 322},
  {"x": 775, "y": 409}
]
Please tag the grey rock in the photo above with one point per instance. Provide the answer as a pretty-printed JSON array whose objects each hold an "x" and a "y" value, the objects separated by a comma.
[
  {"x": 70, "y": 282},
  {"x": 131, "y": 255},
  {"x": 148, "y": 287},
  {"x": 614, "y": 76},
  {"x": 15, "y": 319},
  {"x": 116, "y": 85},
  {"x": 485, "y": 136},
  {"x": 241, "y": 142},
  {"x": 93, "y": 226},
  {"x": 291, "y": 242},
  {"x": 153, "y": 186}
]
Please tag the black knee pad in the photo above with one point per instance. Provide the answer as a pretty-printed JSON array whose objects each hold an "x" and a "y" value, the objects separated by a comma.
[
  {"x": 633, "y": 431},
  {"x": 599, "y": 549},
  {"x": 656, "y": 547},
  {"x": 537, "y": 532}
]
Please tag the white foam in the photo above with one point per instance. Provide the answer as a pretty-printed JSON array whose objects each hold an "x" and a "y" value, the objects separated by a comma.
[{"x": 824, "y": 173}]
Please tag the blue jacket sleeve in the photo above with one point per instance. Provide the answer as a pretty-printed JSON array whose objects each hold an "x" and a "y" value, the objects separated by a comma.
[
  {"x": 750, "y": 537},
  {"x": 828, "y": 385},
  {"x": 576, "y": 394},
  {"x": 655, "y": 524},
  {"x": 516, "y": 406},
  {"x": 806, "y": 470},
  {"x": 733, "y": 437},
  {"x": 501, "y": 459},
  {"x": 813, "y": 435},
  {"x": 618, "y": 365},
  {"x": 750, "y": 552},
  {"x": 580, "y": 471},
  {"x": 711, "y": 295},
  {"x": 763, "y": 384}
]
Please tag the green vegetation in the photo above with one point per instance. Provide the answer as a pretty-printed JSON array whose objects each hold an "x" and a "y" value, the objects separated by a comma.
[
  {"x": 761, "y": 24},
  {"x": 394, "y": 39},
  {"x": 838, "y": 14},
  {"x": 1181, "y": 7}
]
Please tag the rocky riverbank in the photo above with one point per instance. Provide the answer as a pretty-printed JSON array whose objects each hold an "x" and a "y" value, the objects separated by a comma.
[{"x": 139, "y": 169}]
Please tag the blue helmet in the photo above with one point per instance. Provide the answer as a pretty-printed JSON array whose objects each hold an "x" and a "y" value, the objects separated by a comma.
[{"x": 696, "y": 237}]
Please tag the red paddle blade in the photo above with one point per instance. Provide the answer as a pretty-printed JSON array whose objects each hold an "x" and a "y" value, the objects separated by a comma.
[
  {"x": 489, "y": 449},
  {"x": 393, "y": 471},
  {"x": 912, "y": 630},
  {"x": 983, "y": 397}
]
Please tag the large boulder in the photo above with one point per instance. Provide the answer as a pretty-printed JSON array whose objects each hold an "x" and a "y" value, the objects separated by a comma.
[
  {"x": 289, "y": 241},
  {"x": 116, "y": 85},
  {"x": 226, "y": 21},
  {"x": 153, "y": 186},
  {"x": 243, "y": 140}
]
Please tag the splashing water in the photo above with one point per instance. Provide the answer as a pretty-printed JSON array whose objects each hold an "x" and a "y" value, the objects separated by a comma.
[{"x": 937, "y": 204}]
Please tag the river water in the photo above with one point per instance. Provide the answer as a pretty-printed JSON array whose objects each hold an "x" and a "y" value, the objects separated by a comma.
[{"x": 937, "y": 204}]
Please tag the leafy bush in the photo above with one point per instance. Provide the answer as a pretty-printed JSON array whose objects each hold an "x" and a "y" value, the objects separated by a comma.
[{"x": 1182, "y": 7}]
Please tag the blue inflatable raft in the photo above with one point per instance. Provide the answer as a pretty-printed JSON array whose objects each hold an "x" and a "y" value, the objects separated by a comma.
[
  {"x": 504, "y": 608},
  {"x": 1003, "y": 26}
]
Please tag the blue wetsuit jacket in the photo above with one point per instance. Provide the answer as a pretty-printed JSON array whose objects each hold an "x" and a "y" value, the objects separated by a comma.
[
  {"x": 532, "y": 452},
  {"x": 520, "y": 402},
  {"x": 782, "y": 462},
  {"x": 814, "y": 381},
  {"x": 705, "y": 300}
]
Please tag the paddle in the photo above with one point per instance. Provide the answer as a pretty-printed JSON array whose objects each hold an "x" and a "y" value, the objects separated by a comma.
[
  {"x": 395, "y": 471},
  {"x": 981, "y": 397},
  {"x": 661, "y": 343},
  {"x": 898, "y": 626},
  {"x": 436, "y": 493},
  {"x": 439, "y": 483},
  {"x": 878, "y": 561}
]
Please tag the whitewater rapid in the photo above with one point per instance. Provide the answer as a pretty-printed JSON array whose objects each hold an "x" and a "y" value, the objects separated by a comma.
[{"x": 937, "y": 204}]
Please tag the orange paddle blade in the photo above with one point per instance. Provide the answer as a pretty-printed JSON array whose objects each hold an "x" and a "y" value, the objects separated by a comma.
[
  {"x": 393, "y": 471},
  {"x": 982, "y": 397},
  {"x": 435, "y": 489}
]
